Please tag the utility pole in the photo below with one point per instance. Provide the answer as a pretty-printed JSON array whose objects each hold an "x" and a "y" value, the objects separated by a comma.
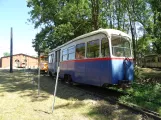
[
  {"x": 11, "y": 52},
  {"x": 39, "y": 71}
]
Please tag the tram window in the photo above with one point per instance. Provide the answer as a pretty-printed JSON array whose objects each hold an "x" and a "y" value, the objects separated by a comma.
[
  {"x": 159, "y": 59},
  {"x": 65, "y": 52},
  {"x": 71, "y": 53},
  {"x": 80, "y": 51},
  {"x": 52, "y": 58},
  {"x": 104, "y": 47},
  {"x": 65, "y": 55},
  {"x": 153, "y": 59},
  {"x": 156, "y": 59},
  {"x": 93, "y": 49},
  {"x": 120, "y": 46},
  {"x": 49, "y": 58}
]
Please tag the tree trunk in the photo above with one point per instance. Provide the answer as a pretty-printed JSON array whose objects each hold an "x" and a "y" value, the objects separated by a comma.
[{"x": 95, "y": 14}]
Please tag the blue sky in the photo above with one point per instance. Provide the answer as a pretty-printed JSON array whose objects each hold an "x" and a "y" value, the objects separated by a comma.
[{"x": 14, "y": 13}]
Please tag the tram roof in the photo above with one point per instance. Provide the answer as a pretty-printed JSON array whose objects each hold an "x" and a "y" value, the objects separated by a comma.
[
  {"x": 108, "y": 32},
  {"x": 151, "y": 55}
]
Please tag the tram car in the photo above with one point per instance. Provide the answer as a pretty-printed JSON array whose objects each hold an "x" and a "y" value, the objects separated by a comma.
[
  {"x": 151, "y": 61},
  {"x": 43, "y": 64},
  {"x": 102, "y": 57}
]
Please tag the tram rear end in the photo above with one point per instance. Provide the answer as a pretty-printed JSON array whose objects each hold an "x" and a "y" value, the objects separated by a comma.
[
  {"x": 121, "y": 60},
  {"x": 43, "y": 64}
]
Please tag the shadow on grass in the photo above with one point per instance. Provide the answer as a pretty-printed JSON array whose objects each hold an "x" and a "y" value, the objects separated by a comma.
[
  {"x": 76, "y": 104},
  {"x": 18, "y": 82},
  {"x": 111, "y": 112},
  {"x": 21, "y": 83},
  {"x": 100, "y": 110},
  {"x": 63, "y": 91}
]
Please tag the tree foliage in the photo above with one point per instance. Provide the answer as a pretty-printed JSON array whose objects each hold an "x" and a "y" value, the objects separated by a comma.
[
  {"x": 63, "y": 20},
  {"x": 6, "y": 54}
]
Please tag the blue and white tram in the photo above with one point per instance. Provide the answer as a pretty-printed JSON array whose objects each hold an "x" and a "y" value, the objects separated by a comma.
[{"x": 97, "y": 58}]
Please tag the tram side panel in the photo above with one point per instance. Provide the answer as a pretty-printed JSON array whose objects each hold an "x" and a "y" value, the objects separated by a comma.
[
  {"x": 122, "y": 71},
  {"x": 70, "y": 69},
  {"x": 106, "y": 72},
  {"x": 79, "y": 72},
  {"x": 117, "y": 71},
  {"x": 63, "y": 69},
  {"x": 92, "y": 72}
]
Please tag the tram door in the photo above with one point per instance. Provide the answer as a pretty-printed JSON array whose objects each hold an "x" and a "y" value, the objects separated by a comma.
[{"x": 57, "y": 59}]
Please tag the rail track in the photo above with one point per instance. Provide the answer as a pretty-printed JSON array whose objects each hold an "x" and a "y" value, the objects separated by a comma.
[{"x": 112, "y": 97}]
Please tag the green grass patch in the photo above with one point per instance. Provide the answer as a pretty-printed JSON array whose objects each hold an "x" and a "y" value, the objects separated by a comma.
[
  {"x": 145, "y": 95},
  {"x": 145, "y": 90},
  {"x": 147, "y": 75}
]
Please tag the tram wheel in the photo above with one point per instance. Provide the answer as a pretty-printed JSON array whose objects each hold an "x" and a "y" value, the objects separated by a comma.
[
  {"x": 50, "y": 74},
  {"x": 124, "y": 86},
  {"x": 70, "y": 80}
]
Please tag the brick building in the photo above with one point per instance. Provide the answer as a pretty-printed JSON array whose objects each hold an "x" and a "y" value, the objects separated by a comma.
[{"x": 20, "y": 61}]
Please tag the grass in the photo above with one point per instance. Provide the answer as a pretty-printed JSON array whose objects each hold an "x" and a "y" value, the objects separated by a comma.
[
  {"x": 146, "y": 89},
  {"x": 143, "y": 75},
  {"x": 145, "y": 95},
  {"x": 19, "y": 100}
]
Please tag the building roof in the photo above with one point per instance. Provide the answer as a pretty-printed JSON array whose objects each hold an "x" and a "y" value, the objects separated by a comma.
[{"x": 21, "y": 54}]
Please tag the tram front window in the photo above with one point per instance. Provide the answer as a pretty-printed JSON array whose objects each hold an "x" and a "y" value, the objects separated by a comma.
[
  {"x": 44, "y": 58},
  {"x": 120, "y": 46}
]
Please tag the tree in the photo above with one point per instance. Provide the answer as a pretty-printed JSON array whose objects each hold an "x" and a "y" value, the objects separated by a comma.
[
  {"x": 5, "y": 54},
  {"x": 63, "y": 20},
  {"x": 60, "y": 20}
]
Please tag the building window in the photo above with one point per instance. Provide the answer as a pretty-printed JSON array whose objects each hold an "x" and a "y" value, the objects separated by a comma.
[
  {"x": 93, "y": 49},
  {"x": 71, "y": 53},
  {"x": 105, "y": 48},
  {"x": 80, "y": 51},
  {"x": 65, "y": 55}
]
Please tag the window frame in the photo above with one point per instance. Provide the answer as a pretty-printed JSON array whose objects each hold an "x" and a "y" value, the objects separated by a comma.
[
  {"x": 65, "y": 54},
  {"x": 99, "y": 51},
  {"x": 70, "y": 53},
  {"x": 122, "y": 36},
  {"x": 84, "y": 50},
  {"x": 108, "y": 47}
]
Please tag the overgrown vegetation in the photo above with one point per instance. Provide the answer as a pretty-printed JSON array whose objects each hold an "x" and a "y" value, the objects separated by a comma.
[
  {"x": 145, "y": 95},
  {"x": 147, "y": 75},
  {"x": 145, "y": 90}
]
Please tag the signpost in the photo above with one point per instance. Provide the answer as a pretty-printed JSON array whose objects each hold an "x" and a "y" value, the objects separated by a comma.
[
  {"x": 56, "y": 84},
  {"x": 38, "y": 72}
]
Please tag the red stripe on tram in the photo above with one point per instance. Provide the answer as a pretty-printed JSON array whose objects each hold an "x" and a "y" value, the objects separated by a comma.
[{"x": 95, "y": 59}]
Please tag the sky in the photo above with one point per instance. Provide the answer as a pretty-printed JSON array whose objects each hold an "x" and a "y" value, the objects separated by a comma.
[{"x": 14, "y": 13}]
